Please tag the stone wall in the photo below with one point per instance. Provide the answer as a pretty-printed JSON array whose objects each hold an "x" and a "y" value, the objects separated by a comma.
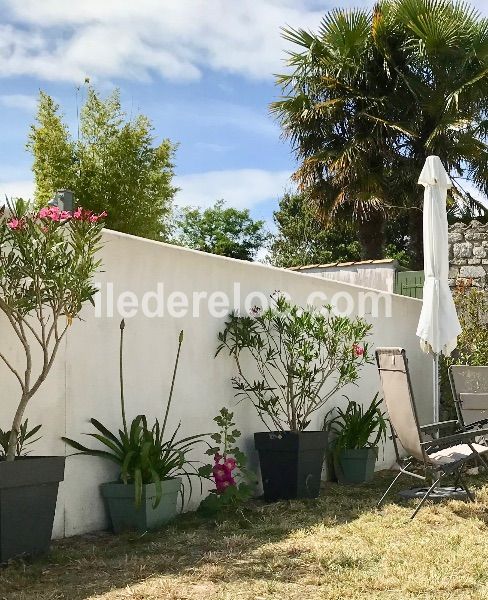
[{"x": 468, "y": 254}]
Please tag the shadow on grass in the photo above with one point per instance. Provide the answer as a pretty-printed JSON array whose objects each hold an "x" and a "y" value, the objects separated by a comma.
[{"x": 261, "y": 543}]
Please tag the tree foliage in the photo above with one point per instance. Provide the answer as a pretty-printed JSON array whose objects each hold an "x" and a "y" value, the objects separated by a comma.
[
  {"x": 371, "y": 94},
  {"x": 221, "y": 230},
  {"x": 113, "y": 165},
  {"x": 301, "y": 237}
]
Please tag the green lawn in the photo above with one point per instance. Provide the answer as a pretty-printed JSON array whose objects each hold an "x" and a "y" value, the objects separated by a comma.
[{"x": 336, "y": 547}]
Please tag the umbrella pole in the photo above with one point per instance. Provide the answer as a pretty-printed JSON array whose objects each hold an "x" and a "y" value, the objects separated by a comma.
[{"x": 436, "y": 391}]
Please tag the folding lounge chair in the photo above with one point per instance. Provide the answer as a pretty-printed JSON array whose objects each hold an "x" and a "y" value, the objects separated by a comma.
[
  {"x": 438, "y": 456},
  {"x": 470, "y": 392}
]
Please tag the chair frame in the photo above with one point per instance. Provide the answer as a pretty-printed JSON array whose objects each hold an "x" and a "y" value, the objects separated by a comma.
[
  {"x": 459, "y": 405},
  {"x": 432, "y": 473}
]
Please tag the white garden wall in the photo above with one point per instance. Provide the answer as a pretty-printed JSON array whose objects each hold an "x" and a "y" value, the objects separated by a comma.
[{"x": 84, "y": 380}]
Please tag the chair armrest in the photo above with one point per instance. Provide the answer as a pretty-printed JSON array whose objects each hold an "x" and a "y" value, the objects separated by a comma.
[
  {"x": 441, "y": 425},
  {"x": 462, "y": 436}
]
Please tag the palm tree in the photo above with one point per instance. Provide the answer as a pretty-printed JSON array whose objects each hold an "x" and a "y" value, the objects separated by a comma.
[
  {"x": 336, "y": 76},
  {"x": 444, "y": 75},
  {"x": 371, "y": 95}
]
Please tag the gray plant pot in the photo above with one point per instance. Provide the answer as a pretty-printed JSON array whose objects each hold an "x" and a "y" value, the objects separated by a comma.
[
  {"x": 356, "y": 465},
  {"x": 125, "y": 515},
  {"x": 28, "y": 494},
  {"x": 291, "y": 463}
]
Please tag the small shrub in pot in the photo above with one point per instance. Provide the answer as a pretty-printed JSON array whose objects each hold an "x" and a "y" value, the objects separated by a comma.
[
  {"x": 48, "y": 259},
  {"x": 151, "y": 462},
  {"x": 356, "y": 433},
  {"x": 290, "y": 361}
]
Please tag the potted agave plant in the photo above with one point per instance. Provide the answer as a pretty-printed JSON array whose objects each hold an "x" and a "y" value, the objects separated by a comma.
[
  {"x": 300, "y": 358},
  {"x": 355, "y": 434},
  {"x": 47, "y": 263},
  {"x": 151, "y": 463}
]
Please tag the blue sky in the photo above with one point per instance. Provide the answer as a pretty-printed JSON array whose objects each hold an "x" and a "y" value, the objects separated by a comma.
[{"x": 202, "y": 70}]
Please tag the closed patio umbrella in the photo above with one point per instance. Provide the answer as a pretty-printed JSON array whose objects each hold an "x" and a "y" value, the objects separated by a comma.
[{"x": 438, "y": 326}]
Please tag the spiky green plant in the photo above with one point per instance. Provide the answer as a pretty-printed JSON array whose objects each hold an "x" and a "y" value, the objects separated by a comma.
[
  {"x": 24, "y": 439},
  {"x": 357, "y": 426},
  {"x": 144, "y": 454}
]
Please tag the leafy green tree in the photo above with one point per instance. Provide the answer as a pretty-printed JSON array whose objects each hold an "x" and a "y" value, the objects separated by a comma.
[
  {"x": 114, "y": 164},
  {"x": 301, "y": 238},
  {"x": 220, "y": 230},
  {"x": 371, "y": 94},
  {"x": 53, "y": 150}
]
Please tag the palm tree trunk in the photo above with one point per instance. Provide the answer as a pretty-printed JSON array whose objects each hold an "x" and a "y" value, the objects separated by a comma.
[{"x": 372, "y": 236}]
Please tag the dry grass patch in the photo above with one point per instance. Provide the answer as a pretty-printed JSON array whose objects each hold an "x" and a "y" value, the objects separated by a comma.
[{"x": 337, "y": 547}]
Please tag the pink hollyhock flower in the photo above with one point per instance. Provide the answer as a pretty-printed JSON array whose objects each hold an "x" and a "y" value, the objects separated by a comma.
[
  {"x": 221, "y": 473},
  {"x": 358, "y": 350},
  {"x": 14, "y": 224},
  {"x": 223, "y": 485},
  {"x": 230, "y": 463}
]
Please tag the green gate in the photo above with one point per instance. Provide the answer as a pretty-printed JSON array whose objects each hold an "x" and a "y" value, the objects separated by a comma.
[{"x": 409, "y": 283}]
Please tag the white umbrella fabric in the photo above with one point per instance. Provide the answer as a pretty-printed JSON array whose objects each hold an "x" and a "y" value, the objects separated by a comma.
[{"x": 438, "y": 326}]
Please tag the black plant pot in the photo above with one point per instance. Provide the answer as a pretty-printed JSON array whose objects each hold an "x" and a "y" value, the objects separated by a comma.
[
  {"x": 28, "y": 494},
  {"x": 291, "y": 463}
]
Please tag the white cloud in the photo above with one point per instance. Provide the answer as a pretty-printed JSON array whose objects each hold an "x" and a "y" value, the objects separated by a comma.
[
  {"x": 240, "y": 188},
  {"x": 19, "y": 101},
  {"x": 175, "y": 39},
  {"x": 22, "y": 188}
]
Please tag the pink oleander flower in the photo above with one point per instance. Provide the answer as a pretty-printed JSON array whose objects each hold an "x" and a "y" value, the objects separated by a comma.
[
  {"x": 65, "y": 215},
  {"x": 44, "y": 212},
  {"x": 82, "y": 214},
  {"x": 357, "y": 350},
  {"x": 55, "y": 213},
  {"x": 14, "y": 224}
]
